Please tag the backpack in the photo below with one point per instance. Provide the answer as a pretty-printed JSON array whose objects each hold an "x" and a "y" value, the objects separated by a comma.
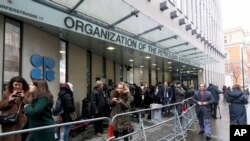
[{"x": 58, "y": 109}]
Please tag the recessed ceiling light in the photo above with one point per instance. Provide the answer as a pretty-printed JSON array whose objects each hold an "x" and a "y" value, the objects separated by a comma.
[
  {"x": 194, "y": 68},
  {"x": 62, "y": 51},
  {"x": 147, "y": 57},
  {"x": 170, "y": 67},
  {"x": 153, "y": 64},
  {"x": 183, "y": 66},
  {"x": 141, "y": 66},
  {"x": 131, "y": 60},
  {"x": 169, "y": 62},
  {"x": 110, "y": 48}
]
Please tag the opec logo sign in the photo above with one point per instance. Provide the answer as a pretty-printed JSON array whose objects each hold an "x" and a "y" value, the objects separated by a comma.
[{"x": 43, "y": 67}]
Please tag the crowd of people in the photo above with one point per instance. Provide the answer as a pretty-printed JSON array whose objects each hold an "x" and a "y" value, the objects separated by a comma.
[{"x": 36, "y": 103}]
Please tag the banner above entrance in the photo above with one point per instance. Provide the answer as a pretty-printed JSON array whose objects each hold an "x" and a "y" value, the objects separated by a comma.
[{"x": 44, "y": 14}]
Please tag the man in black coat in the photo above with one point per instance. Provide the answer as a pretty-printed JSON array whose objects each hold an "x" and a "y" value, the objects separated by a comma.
[
  {"x": 97, "y": 106},
  {"x": 166, "y": 94},
  {"x": 215, "y": 93}
]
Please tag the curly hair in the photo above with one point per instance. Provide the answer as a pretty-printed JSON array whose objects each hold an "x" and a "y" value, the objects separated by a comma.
[{"x": 18, "y": 79}]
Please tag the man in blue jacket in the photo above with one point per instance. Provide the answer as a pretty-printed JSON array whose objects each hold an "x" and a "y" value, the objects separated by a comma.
[{"x": 203, "y": 99}]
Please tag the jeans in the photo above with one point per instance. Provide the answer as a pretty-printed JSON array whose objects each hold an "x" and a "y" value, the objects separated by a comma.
[
  {"x": 66, "y": 130},
  {"x": 207, "y": 127}
]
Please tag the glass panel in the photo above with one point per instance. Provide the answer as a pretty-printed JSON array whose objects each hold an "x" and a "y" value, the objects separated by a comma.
[
  {"x": 67, "y": 3},
  {"x": 187, "y": 52},
  {"x": 11, "y": 50},
  {"x": 171, "y": 42},
  {"x": 158, "y": 35},
  {"x": 63, "y": 61},
  {"x": 108, "y": 12},
  {"x": 129, "y": 24},
  {"x": 179, "y": 48}
]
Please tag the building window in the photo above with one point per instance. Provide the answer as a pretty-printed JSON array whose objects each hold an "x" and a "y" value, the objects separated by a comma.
[
  {"x": 63, "y": 61},
  {"x": 225, "y": 39},
  {"x": 12, "y": 49}
]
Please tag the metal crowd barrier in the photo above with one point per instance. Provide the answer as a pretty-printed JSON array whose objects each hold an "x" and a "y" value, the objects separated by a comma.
[
  {"x": 53, "y": 126},
  {"x": 173, "y": 128}
]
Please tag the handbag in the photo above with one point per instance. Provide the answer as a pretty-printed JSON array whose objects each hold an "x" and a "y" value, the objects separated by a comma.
[
  {"x": 11, "y": 118},
  {"x": 73, "y": 116}
]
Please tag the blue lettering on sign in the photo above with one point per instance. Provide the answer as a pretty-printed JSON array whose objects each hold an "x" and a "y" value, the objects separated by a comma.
[{"x": 43, "y": 67}]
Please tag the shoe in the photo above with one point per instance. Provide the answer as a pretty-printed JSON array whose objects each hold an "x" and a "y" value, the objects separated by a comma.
[
  {"x": 99, "y": 135},
  {"x": 201, "y": 132},
  {"x": 208, "y": 138}
]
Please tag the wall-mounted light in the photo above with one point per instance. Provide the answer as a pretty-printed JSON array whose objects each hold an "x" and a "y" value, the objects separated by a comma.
[
  {"x": 189, "y": 26},
  {"x": 163, "y": 6},
  {"x": 194, "y": 31},
  {"x": 183, "y": 21},
  {"x": 174, "y": 14}
]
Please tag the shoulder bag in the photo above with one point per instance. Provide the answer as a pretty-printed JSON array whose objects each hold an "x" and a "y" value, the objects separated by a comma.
[{"x": 11, "y": 118}]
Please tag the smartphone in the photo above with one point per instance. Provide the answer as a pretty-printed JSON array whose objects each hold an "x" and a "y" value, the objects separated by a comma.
[{"x": 17, "y": 94}]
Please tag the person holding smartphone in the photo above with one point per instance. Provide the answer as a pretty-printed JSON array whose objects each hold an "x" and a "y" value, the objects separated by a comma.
[
  {"x": 120, "y": 103},
  {"x": 15, "y": 96}
]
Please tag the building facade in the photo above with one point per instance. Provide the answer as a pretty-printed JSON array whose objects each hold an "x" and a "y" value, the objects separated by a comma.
[
  {"x": 236, "y": 41},
  {"x": 120, "y": 40}
]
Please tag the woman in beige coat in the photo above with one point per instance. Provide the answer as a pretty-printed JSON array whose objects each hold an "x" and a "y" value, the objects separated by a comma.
[
  {"x": 120, "y": 103},
  {"x": 14, "y": 96}
]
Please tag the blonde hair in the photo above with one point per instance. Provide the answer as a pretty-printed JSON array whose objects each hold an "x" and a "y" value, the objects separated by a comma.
[{"x": 236, "y": 86}]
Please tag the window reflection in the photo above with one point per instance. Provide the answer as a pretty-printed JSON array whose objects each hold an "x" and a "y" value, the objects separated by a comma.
[
  {"x": 62, "y": 61},
  {"x": 11, "y": 49}
]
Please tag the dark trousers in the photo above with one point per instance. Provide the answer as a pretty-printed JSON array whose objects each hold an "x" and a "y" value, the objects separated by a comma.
[
  {"x": 98, "y": 124},
  {"x": 200, "y": 116},
  {"x": 24, "y": 135},
  {"x": 121, "y": 133},
  {"x": 214, "y": 110},
  {"x": 166, "y": 109}
]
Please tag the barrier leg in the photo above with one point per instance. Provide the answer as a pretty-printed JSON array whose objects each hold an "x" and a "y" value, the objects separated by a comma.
[{"x": 142, "y": 131}]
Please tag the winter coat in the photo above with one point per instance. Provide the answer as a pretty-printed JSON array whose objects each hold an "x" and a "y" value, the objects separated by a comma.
[
  {"x": 12, "y": 107},
  {"x": 121, "y": 122},
  {"x": 205, "y": 109},
  {"x": 215, "y": 93},
  {"x": 179, "y": 94},
  {"x": 67, "y": 104},
  {"x": 147, "y": 98},
  {"x": 97, "y": 101},
  {"x": 40, "y": 114},
  {"x": 237, "y": 110},
  {"x": 168, "y": 90}
]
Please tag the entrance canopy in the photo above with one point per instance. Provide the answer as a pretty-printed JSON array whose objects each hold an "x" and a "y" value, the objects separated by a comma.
[{"x": 119, "y": 16}]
